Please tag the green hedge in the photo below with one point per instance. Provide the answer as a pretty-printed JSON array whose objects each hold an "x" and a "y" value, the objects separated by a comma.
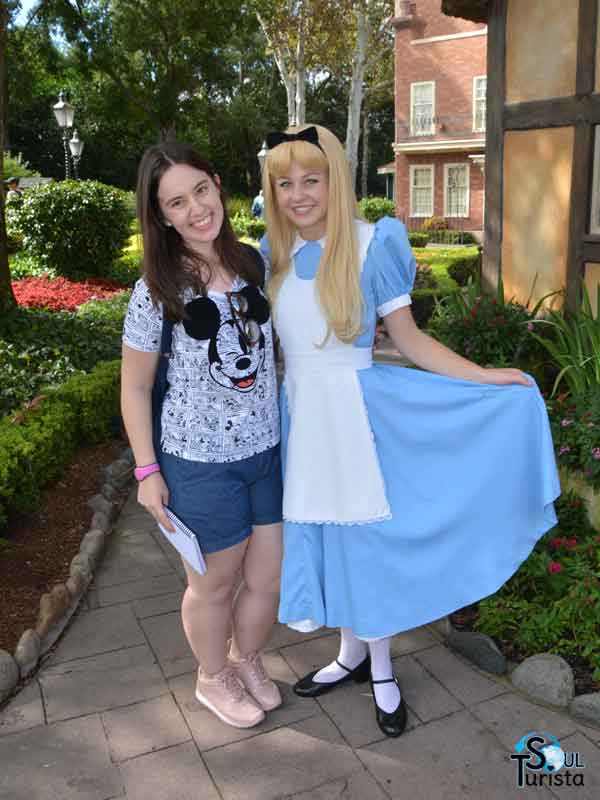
[
  {"x": 463, "y": 269},
  {"x": 37, "y": 444},
  {"x": 77, "y": 228},
  {"x": 374, "y": 208},
  {"x": 418, "y": 238}
]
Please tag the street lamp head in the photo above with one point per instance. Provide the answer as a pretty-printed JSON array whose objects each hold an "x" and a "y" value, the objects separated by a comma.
[
  {"x": 63, "y": 111},
  {"x": 76, "y": 145},
  {"x": 261, "y": 155}
]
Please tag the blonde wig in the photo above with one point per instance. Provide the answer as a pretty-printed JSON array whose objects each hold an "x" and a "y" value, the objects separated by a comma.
[{"x": 338, "y": 282}]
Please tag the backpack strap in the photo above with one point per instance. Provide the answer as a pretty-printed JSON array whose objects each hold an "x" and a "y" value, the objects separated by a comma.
[{"x": 159, "y": 389}]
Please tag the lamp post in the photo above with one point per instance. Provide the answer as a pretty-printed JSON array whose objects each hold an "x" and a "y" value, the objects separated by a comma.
[
  {"x": 64, "y": 113},
  {"x": 76, "y": 147},
  {"x": 261, "y": 155}
]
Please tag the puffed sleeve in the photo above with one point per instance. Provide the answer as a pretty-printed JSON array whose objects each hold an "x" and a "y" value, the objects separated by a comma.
[
  {"x": 265, "y": 252},
  {"x": 392, "y": 265},
  {"x": 143, "y": 322}
]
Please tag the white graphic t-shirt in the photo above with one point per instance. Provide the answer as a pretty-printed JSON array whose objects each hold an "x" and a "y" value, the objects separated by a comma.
[{"x": 221, "y": 404}]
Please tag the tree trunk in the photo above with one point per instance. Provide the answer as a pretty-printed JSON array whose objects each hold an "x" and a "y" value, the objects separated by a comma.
[
  {"x": 7, "y": 298},
  {"x": 356, "y": 89},
  {"x": 301, "y": 72},
  {"x": 168, "y": 131},
  {"x": 365, "y": 154},
  {"x": 289, "y": 81}
]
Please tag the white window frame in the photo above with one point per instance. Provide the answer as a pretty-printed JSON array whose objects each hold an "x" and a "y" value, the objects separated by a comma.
[
  {"x": 447, "y": 213},
  {"x": 431, "y": 168},
  {"x": 595, "y": 200},
  {"x": 480, "y": 129},
  {"x": 431, "y": 131}
]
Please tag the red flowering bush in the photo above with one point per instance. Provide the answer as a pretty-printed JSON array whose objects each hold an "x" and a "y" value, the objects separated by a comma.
[{"x": 61, "y": 294}]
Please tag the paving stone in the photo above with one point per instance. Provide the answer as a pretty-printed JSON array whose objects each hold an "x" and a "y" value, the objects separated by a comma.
[
  {"x": 99, "y": 631},
  {"x": 310, "y": 654},
  {"x": 132, "y": 561},
  {"x": 101, "y": 682},
  {"x": 352, "y": 709},
  {"x": 167, "y": 639},
  {"x": 9, "y": 674},
  {"x": 587, "y": 707},
  {"x": 153, "y": 606},
  {"x": 173, "y": 774},
  {"x": 423, "y": 694},
  {"x": 546, "y": 677},
  {"x": 510, "y": 716},
  {"x": 209, "y": 732},
  {"x": 23, "y": 712},
  {"x": 448, "y": 759},
  {"x": 134, "y": 590},
  {"x": 412, "y": 641},
  {"x": 282, "y": 636},
  {"x": 358, "y": 786},
  {"x": 144, "y": 727},
  {"x": 590, "y": 756},
  {"x": 465, "y": 683},
  {"x": 296, "y": 759},
  {"x": 66, "y": 761},
  {"x": 590, "y": 732}
]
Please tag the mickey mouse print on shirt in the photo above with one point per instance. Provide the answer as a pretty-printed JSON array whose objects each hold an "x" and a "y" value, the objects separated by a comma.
[
  {"x": 233, "y": 362},
  {"x": 221, "y": 404}
]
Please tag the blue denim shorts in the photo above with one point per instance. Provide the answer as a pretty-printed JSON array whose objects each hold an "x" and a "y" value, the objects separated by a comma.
[{"x": 222, "y": 502}]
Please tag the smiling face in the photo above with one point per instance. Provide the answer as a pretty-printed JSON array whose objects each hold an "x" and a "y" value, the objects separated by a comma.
[
  {"x": 190, "y": 201},
  {"x": 302, "y": 195}
]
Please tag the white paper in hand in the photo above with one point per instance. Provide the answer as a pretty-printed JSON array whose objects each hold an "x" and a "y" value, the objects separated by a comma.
[{"x": 185, "y": 541}]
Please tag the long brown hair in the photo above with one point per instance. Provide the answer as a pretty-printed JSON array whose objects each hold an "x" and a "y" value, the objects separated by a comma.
[{"x": 165, "y": 253}]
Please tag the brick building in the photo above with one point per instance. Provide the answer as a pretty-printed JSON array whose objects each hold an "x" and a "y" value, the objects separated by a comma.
[{"x": 440, "y": 108}]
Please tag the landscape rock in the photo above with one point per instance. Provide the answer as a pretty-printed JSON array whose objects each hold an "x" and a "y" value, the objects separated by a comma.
[
  {"x": 587, "y": 707},
  {"x": 119, "y": 473},
  {"x": 127, "y": 455},
  {"x": 9, "y": 675},
  {"x": 546, "y": 677},
  {"x": 76, "y": 584},
  {"x": 109, "y": 492},
  {"x": 92, "y": 545},
  {"x": 27, "y": 653},
  {"x": 99, "y": 503},
  {"x": 100, "y": 521},
  {"x": 478, "y": 648},
  {"x": 81, "y": 563}
]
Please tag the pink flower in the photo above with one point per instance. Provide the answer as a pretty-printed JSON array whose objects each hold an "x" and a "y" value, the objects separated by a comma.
[
  {"x": 596, "y": 453},
  {"x": 571, "y": 542},
  {"x": 564, "y": 449},
  {"x": 530, "y": 326},
  {"x": 556, "y": 543},
  {"x": 566, "y": 422},
  {"x": 554, "y": 567}
]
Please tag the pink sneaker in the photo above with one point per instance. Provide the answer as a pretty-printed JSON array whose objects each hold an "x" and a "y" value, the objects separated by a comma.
[
  {"x": 226, "y": 697},
  {"x": 252, "y": 673}
]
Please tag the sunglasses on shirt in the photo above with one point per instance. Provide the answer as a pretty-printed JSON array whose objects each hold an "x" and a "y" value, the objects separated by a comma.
[{"x": 248, "y": 329}]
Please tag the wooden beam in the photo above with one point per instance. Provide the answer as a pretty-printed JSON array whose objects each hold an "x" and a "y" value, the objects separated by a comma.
[
  {"x": 554, "y": 113},
  {"x": 475, "y": 10},
  {"x": 494, "y": 148},
  {"x": 591, "y": 252},
  {"x": 586, "y": 47},
  {"x": 578, "y": 222}
]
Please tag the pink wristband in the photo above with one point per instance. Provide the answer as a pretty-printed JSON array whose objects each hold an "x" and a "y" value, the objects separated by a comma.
[{"x": 141, "y": 473}]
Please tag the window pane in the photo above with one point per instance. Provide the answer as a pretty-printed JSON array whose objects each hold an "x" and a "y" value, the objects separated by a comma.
[
  {"x": 421, "y": 191},
  {"x": 457, "y": 190}
]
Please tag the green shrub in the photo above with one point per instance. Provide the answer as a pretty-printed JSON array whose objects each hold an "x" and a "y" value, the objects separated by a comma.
[
  {"x": 423, "y": 305},
  {"x": 17, "y": 167},
  {"x": 575, "y": 423},
  {"x": 37, "y": 444},
  {"x": 552, "y": 603},
  {"x": 240, "y": 222},
  {"x": 434, "y": 224},
  {"x": 256, "y": 228},
  {"x": 424, "y": 278},
  {"x": 41, "y": 348},
  {"x": 418, "y": 238},
  {"x": 374, "y": 208},
  {"x": 484, "y": 328},
  {"x": 451, "y": 236},
  {"x": 126, "y": 269},
  {"x": 77, "y": 228},
  {"x": 23, "y": 265},
  {"x": 239, "y": 205},
  {"x": 464, "y": 269}
]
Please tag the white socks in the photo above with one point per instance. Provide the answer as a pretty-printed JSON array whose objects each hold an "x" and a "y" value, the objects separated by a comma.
[
  {"x": 352, "y": 652},
  {"x": 387, "y": 695}
]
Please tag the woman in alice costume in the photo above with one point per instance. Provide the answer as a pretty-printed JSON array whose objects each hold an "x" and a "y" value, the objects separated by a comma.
[{"x": 407, "y": 493}]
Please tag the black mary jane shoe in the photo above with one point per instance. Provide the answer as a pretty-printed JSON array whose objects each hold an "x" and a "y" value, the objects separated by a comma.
[
  {"x": 307, "y": 687},
  {"x": 392, "y": 723}
]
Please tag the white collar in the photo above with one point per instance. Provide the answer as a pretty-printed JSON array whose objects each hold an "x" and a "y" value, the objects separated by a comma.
[{"x": 299, "y": 243}]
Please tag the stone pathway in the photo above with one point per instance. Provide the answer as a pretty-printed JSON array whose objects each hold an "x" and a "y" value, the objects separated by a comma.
[{"x": 112, "y": 713}]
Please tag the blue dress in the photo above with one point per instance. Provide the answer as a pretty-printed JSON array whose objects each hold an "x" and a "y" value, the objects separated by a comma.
[{"x": 408, "y": 494}]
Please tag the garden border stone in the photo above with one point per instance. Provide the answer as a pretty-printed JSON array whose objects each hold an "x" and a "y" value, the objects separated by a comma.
[{"x": 58, "y": 605}]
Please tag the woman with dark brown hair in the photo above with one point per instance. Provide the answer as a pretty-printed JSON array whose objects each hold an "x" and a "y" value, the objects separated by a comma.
[{"x": 209, "y": 454}]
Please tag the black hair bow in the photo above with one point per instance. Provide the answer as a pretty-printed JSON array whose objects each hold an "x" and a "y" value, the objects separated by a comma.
[{"x": 307, "y": 135}]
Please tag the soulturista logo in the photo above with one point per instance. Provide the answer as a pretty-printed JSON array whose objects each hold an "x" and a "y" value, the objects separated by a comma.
[{"x": 541, "y": 761}]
